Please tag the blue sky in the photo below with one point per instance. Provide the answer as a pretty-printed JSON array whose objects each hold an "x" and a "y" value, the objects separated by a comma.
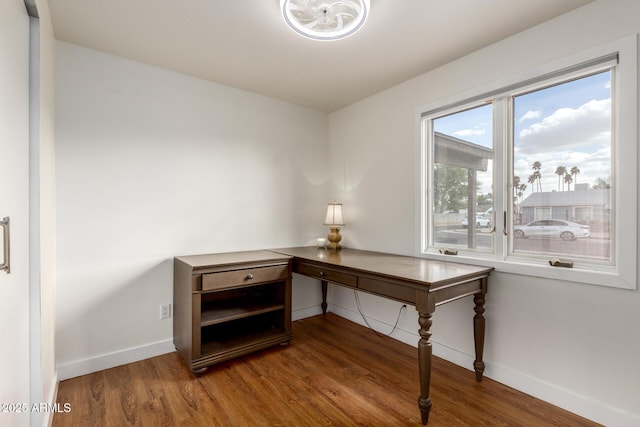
[{"x": 566, "y": 125}]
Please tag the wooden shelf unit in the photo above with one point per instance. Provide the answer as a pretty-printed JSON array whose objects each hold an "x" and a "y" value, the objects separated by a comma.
[{"x": 227, "y": 305}]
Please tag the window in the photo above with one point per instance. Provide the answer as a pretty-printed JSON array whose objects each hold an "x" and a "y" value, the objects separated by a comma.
[
  {"x": 462, "y": 202},
  {"x": 538, "y": 168},
  {"x": 562, "y": 146}
]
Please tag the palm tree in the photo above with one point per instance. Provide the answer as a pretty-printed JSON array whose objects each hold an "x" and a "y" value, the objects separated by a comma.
[
  {"x": 601, "y": 184},
  {"x": 568, "y": 178},
  {"x": 520, "y": 188},
  {"x": 537, "y": 175},
  {"x": 536, "y": 168},
  {"x": 560, "y": 171},
  {"x": 532, "y": 181},
  {"x": 574, "y": 172}
]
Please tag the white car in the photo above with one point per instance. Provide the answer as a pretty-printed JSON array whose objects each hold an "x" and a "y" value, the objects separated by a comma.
[
  {"x": 566, "y": 230},
  {"x": 480, "y": 222}
]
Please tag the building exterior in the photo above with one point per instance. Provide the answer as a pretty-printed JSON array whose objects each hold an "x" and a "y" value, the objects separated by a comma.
[{"x": 591, "y": 207}]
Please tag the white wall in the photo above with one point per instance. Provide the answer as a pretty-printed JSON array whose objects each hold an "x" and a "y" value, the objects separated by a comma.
[
  {"x": 153, "y": 164},
  {"x": 574, "y": 345}
]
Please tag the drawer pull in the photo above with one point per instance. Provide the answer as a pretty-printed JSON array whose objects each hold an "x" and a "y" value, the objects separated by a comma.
[
  {"x": 322, "y": 273},
  {"x": 249, "y": 276}
]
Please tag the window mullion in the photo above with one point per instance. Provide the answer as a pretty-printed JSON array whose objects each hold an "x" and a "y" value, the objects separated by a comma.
[
  {"x": 502, "y": 180},
  {"x": 427, "y": 183}
]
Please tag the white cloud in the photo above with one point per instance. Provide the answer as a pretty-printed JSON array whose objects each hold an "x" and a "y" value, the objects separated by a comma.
[
  {"x": 569, "y": 128},
  {"x": 469, "y": 132},
  {"x": 530, "y": 115}
]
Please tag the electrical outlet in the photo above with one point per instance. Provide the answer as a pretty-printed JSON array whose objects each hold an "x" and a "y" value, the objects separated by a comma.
[{"x": 165, "y": 311}]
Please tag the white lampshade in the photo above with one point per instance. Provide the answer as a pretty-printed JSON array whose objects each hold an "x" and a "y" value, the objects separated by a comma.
[
  {"x": 334, "y": 214},
  {"x": 322, "y": 20}
]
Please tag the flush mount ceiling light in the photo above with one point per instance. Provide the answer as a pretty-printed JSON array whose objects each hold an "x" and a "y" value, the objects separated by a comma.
[{"x": 325, "y": 19}]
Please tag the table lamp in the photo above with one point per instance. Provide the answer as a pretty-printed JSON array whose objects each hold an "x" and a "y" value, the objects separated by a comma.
[{"x": 334, "y": 221}]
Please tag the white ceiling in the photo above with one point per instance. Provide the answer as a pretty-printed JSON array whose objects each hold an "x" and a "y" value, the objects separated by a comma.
[{"x": 246, "y": 44}]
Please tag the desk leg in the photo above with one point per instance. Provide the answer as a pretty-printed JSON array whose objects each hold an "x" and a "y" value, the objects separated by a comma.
[
  {"x": 324, "y": 296},
  {"x": 478, "y": 331},
  {"x": 424, "y": 364}
]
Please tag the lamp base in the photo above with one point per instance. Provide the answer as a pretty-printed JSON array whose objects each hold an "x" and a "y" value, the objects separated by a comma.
[{"x": 334, "y": 238}]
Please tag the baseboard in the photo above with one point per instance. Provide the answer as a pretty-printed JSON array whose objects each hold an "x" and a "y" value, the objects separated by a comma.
[
  {"x": 581, "y": 405},
  {"x": 406, "y": 337},
  {"x": 111, "y": 360},
  {"x": 303, "y": 313},
  {"x": 584, "y": 406}
]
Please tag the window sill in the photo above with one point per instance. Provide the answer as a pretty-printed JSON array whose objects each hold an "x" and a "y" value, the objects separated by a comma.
[{"x": 601, "y": 277}]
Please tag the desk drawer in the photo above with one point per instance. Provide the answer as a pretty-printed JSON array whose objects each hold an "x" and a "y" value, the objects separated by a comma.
[
  {"x": 249, "y": 276},
  {"x": 327, "y": 274}
]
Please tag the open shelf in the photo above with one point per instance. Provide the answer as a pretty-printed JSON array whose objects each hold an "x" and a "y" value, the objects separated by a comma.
[
  {"x": 229, "y": 312},
  {"x": 232, "y": 304},
  {"x": 241, "y": 341}
]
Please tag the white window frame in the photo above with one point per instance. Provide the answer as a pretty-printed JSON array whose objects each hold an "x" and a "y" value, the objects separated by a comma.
[{"x": 624, "y": 156}]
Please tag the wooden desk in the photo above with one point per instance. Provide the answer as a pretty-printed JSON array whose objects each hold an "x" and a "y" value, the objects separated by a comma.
[{"x": 423, "y": 283}]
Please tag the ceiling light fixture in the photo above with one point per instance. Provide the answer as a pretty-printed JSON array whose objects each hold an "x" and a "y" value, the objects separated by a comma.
[{"x": 325, "y": 19}]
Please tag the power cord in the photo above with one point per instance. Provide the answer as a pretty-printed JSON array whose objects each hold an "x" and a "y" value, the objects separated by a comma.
[{"x": 395, "y": 326}]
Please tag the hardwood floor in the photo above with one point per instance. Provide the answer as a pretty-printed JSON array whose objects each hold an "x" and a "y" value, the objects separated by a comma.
[{"x": 334, "y": 373}]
